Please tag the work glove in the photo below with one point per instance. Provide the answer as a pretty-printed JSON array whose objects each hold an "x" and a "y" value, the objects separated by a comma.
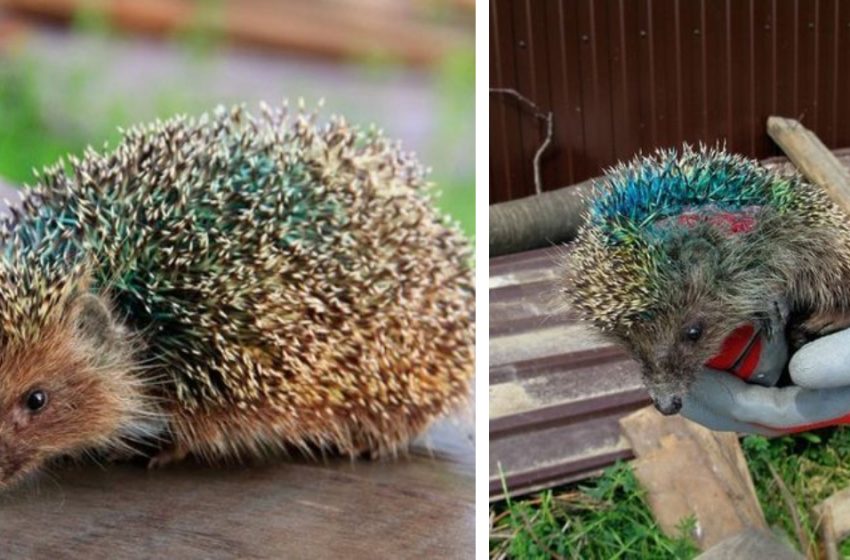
[{"x": 736, "y": 390}]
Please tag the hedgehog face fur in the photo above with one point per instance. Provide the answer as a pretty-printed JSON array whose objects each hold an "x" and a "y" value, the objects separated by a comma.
[
  {"x": 70, "y": 389},
  {"x": 679, "y": 249},
  {"x": 707, "y": 293}
]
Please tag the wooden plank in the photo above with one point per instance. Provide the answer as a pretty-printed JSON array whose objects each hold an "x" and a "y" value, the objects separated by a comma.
[
  {"x": 751, "y": 544},
  {"x": 690, "y": 470},
  {"x": 336, "y": 29},
  {"x": 812, "y": 158},
  {"x": 833, "y": 516},
  {"x": 415, "y": 506},
  {"x": 540, "y": 220}
]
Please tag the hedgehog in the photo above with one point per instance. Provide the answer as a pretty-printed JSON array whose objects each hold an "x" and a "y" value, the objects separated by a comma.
[
  {"x": 679, "y": 248},
  {"x": 227, "y": 287}
]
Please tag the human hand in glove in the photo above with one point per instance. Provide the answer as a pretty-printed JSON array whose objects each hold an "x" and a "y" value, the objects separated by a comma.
[{"x": 747, "y": 401}]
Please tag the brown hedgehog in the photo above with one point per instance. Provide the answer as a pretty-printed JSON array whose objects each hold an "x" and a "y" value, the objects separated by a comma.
[
  {"x": 681, "y": 248},
  {"x": 227, "y": 287}
]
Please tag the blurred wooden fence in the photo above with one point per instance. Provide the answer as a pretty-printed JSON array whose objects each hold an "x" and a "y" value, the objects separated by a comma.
[{"x": 418, "y": 33}]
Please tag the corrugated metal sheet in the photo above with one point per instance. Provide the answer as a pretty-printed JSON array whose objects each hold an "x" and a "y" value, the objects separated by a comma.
[
  {"x": 628, "y": 75},
  {"x": 556, "y": 391}
]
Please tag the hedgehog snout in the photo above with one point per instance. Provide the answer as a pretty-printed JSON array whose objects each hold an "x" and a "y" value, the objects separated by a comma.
[
  {"x": 668, "y": 396},
  {"x": 668, "y": 404}
]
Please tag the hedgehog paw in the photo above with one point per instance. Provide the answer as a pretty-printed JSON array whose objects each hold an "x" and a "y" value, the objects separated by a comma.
[
  {"x": 822, "y": 324},
  {"x": 167, "y": 456}
]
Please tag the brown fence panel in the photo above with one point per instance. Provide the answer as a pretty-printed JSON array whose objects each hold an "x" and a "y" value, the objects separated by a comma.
[{"x": 622, "y": 76}]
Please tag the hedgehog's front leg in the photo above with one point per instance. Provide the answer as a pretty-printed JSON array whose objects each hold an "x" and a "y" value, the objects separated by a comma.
[
  {"x": 172, "y": 454},
  {"x": 821, "y": 324}
]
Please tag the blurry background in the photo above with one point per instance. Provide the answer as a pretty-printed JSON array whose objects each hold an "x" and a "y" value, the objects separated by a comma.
[{"x": 72, "y": 71}]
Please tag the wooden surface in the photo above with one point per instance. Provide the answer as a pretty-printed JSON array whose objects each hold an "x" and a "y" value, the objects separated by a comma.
[
  {"x": 688, "y": 470},
  {"x": 624, "y": 77},
  {"x": 752, "y": 544},
  {"x": 333, "y": 28},
  {"x": 539, "y": 220},
  {"x": 415, "y": 507},
  {"x": 833, "y": 516},
  {"x": 812, "y": 158}
]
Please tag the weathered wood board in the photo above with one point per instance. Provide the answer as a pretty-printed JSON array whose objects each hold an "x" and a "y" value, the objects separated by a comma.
[
  {"x": 420, "y": 506},
  {"x": 833, "y": 515},
  {"x": 688, "y": 470},
  {"x": 752, "y": 544},
  {"x": 339, "y": 28}
]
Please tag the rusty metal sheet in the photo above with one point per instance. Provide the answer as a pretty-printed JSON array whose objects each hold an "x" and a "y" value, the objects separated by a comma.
[{"x": 556, "y": 389}]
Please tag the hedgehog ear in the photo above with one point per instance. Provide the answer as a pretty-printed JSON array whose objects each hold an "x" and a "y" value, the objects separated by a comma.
[
  {"x": 697, "y": 250},
  {"x": 94, "y": 321}
]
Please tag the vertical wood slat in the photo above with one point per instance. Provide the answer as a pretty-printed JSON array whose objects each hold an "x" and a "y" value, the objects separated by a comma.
[
  {"x": 660, "y": 14},
  {"x": 690, "y": 34},
  {"x": 741, "y": 72},
  {"x": 764, "y": 72},
  {"x": 596, "y": 82},
  {"x": 623, "y": 76},
  {"x": 826, "y": 40},
  {"x": 506, "y": 166},
  {"x": 842, "y": 121},
  {"x": 526, "y": 43},
  {"x": 808, "y": 69}
]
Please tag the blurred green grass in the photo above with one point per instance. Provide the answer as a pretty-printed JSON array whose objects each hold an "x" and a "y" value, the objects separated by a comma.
[
  {"x": 27, "y": 138},
  {"x": 31, "y": 137},
  {"x": 456, "y": 108}
]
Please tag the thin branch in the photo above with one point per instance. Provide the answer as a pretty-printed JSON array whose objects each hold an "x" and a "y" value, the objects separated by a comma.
[
  {"x": 529, "y": 527},
  {"x": 546, "y": 117},
  {"x": 802, "y": 536}
]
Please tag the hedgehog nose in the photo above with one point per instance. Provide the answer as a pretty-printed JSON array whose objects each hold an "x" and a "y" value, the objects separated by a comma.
[{"x": 669, "y": 406}]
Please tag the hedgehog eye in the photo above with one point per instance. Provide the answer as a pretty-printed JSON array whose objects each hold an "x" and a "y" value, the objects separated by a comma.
[
  {"x": 36, "y": 400},
  {"x": 693, "y": 332}
]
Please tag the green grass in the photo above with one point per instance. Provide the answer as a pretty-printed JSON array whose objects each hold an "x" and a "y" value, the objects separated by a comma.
[
  {"x": 31, "y": 138},
  {"x": 27, "y": 139},
  {"x": 811, "y": 466},
  {"x": 604, "y": 519},
  {"x": 607, "y": 517},
  {"x": 455, "y": 201},
  {"x": 455, "y": 79}
]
